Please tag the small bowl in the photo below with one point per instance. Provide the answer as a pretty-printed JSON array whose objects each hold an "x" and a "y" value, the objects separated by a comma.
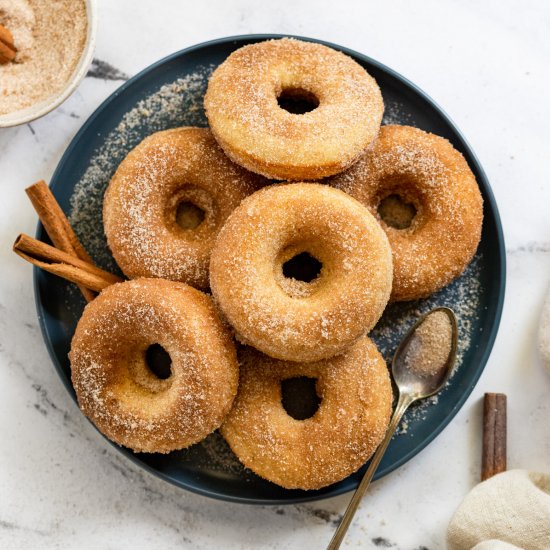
[{"x": 50, "y": 103}]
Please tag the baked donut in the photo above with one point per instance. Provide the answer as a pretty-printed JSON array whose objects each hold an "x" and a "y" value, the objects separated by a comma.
[
  {"x": 167, "y": 201},
  {"x": 427, "y": 200},
  {"x": 346, "y": 429},
  {"x": 301, "y": 316},
  {"x": 243, "y": 101},
  {"x": 117, "y": 390}
]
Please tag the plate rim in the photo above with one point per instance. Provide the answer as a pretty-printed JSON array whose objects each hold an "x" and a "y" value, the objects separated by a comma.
[{"x": 488, "y": 198}]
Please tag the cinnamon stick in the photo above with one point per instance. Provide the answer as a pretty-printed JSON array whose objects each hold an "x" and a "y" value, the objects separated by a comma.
[
  {"x": 57, "y": 226},
  {"x": 493, "y": 459},
  {"x": 7, "y": 48},
  {"x": 62, "y": 264}
]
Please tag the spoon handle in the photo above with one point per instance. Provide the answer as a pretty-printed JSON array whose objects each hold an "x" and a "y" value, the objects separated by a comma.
[{"x": 402, "y": 405}]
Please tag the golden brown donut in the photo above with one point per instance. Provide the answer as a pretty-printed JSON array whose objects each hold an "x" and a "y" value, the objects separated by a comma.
[
  {"x": 242, "y": 107},
  {"x": 116, "y": 389},
  {"x": 430, "y": 176},
  {"x": 283, "y": 316},
  {"x": 350, "y": 423},
  {"x": 183, "y": 166}
]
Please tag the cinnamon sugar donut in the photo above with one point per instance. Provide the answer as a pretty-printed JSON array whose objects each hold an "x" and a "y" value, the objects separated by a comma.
[
  {"x": 116, "y": 389},
  {"x": 286, "y": 315},
  {"x": 169, "y": 172},
  {"x": 242, "y": 107},
  {"x": 344, "y": 432},
  {"x": 428, "y": 202}
]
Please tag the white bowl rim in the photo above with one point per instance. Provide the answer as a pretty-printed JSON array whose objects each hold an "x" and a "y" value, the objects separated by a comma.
[{"x": 42, "y": 108}]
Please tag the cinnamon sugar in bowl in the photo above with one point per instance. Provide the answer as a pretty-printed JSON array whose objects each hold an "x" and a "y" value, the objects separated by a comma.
[{"x": 55, "y": 41}]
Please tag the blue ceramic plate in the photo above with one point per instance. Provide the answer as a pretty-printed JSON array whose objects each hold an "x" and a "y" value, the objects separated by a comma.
[{"x": 169, "y": 93}]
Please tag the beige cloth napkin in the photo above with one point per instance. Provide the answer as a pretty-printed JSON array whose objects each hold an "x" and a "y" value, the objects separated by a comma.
[
  {"x": 494, "y": 544},
  {"x": 508, "y": 511}
]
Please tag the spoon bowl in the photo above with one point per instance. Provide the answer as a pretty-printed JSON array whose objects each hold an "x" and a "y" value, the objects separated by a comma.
[{"x": 410, "y": 382}]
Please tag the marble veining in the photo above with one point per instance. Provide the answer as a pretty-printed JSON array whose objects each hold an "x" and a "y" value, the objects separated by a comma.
[
  {"x": 63, "y": 486},
  {"x": 105, "y": 71}
]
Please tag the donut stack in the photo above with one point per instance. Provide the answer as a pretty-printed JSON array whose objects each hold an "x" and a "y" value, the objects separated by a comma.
[{"x": 303, "y": 217}]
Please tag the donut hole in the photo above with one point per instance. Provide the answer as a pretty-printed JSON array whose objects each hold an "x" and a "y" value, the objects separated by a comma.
[
  {"x": 158, "y": 361},
  {"x": 297, "y": 101},
  {"x": 189, "y": 215},
  {"x": 396, "y": 212},
  {"x": 302, "y": 267},
  {"x": 190, "y": 211},
  {"x": 299, "y": 397}
]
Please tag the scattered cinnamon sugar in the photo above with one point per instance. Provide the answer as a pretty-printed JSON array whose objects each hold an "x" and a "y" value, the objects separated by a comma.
[
  {"x": 429, "y": 347},
  {"x": 215, "y": 454},
  {"x": 49, "y": 36}
]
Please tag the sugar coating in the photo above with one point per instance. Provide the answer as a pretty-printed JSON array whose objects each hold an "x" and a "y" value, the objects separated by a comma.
[
  {"x": 114, "y": 386},
  {"x": 426, "y": 171},
  {"x": 352, "y": 418},
  {"x": 243, "y": 113},
  {"x": 280, "y": 317},
  {"x": 140, "y": 205}
]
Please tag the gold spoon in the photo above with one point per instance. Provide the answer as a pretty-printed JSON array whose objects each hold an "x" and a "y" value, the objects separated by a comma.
[{"x": 414, "y": 381}]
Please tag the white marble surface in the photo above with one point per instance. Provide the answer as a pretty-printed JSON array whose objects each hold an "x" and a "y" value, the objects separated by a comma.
[{"x": 486, "y": 63}]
